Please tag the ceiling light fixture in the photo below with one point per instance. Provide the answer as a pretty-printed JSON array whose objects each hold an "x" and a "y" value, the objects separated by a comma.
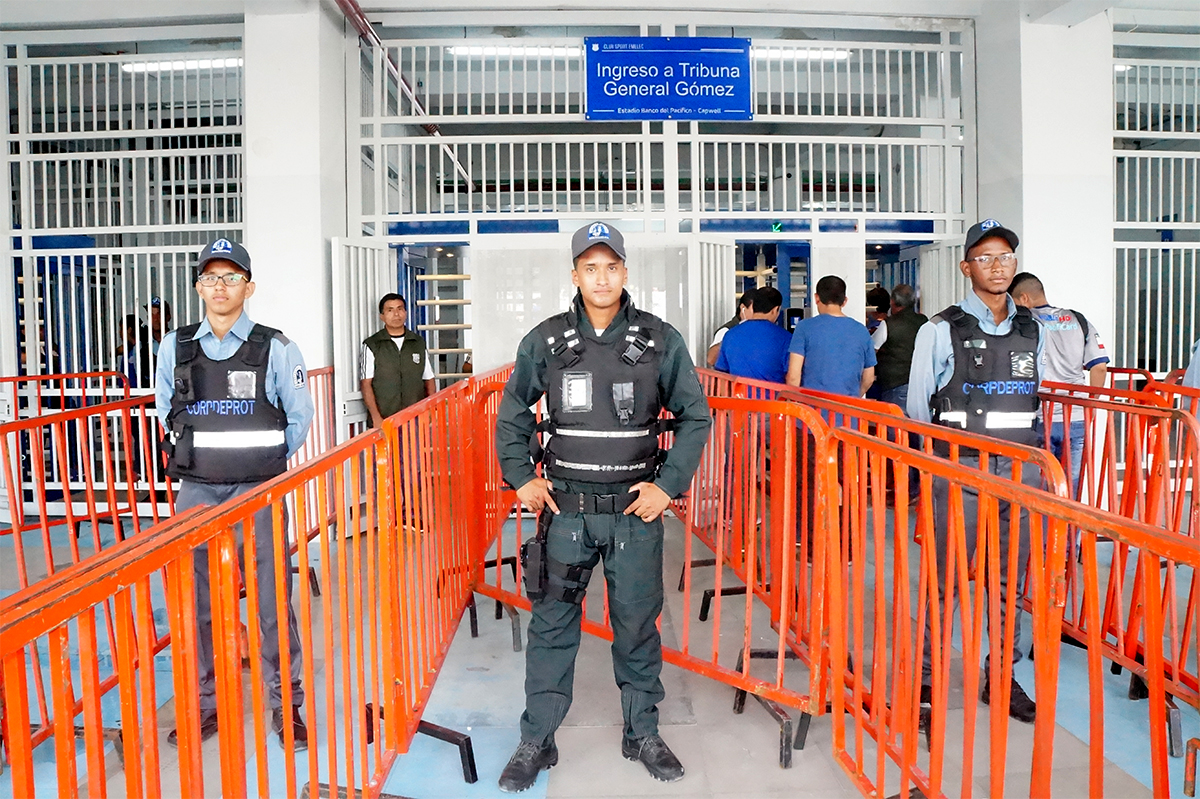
[
  {"x": 518, "y": 51},
  {"x": 170, "y": 66}
]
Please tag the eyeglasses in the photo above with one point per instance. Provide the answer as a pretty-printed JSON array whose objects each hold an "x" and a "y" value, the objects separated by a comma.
[
  {"x": 229, "y": 279},
  {"x": 1004, "y": 259}
]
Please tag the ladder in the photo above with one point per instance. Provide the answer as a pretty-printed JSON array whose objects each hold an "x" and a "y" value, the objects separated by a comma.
[{"x": 447, "y": 323}]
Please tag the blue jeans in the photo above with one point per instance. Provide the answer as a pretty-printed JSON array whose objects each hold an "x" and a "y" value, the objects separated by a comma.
[
  {"x": 1076, "y": 444},
  {"x": 899, "y": 396}
]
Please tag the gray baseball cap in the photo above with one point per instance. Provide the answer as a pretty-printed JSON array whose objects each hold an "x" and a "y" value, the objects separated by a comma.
[
  {"x": 597, "y": 233},
  {"x": 224, "y": 250}
]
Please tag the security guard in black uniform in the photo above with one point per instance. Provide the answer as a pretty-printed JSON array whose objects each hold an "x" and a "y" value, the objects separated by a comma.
[{"x": 606, "y": 370}]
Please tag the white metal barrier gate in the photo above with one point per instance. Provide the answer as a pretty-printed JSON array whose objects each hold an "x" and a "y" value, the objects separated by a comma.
[
  {"x": 121, "y": 168},
  {"x": 869, "y": 135},
  {"x": 1156, "y": 208},
  {"x": 363, "y": 271}
]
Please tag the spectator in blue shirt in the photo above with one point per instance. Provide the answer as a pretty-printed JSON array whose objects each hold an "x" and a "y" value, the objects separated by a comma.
[
  {"x": 758, "y": 347},
  {"x": 832, "y": 352}
]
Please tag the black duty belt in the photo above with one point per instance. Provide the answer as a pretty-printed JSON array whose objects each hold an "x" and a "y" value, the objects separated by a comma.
[{"x": 593, "y": 503}]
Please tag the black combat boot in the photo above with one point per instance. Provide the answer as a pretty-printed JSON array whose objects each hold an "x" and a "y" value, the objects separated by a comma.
[
  {"x": 525, "y": 764},
  {"x": 1020, "y": 706},
  {"x": 655, "y": 755}
]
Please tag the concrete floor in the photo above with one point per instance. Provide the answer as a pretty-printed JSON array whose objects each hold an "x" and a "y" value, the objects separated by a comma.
[{"x": 479, "y": 692}]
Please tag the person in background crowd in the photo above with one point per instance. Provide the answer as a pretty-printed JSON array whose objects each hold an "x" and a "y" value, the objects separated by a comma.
[
  {"x": 878, "y": 304},
  {"x": 1072, "y": 348},
  {"x": 894, "y": 339},
  {"x": 160, "y": 321},
  {"x": 743, "y": 308},
  {"x": 394, "y": 367},
  {"x": 831, "y": 352},
  {"x": 959, "y": 354},
  {"x": 135, "y": 352},
  {"x": 758, "y": 347},
  {"x": 1191, "y": 377}
]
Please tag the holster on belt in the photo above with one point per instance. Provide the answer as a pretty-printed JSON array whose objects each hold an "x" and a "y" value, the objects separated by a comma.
[{"x": 533, "y": 558}]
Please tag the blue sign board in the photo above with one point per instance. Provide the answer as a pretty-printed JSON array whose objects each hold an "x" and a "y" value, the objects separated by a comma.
[{"x": 671, "y": 77}]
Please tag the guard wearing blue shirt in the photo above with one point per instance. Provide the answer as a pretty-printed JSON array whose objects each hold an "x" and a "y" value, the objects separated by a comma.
[
  {"x": 975, "y": 367},
  {"x": 233, "y": 398}
]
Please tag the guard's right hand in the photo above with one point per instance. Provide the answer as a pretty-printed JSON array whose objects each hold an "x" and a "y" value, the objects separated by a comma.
[{"x": 536, "y": 495}]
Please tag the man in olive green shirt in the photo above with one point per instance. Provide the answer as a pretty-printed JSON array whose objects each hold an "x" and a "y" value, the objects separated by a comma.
[
  {"x": 606, "y": 369},
  {"x": 394, "y": 367}
]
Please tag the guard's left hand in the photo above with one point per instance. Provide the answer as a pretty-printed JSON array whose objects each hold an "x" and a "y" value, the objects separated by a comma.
[{"x": 651, "y": 501}]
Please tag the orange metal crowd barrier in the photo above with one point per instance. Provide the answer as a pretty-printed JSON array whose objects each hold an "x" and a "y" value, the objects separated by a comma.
[
  {"x": 322, "y": 436},
  {"x": 876, "y": 718},
  {"x": 1149, "y": 474},
  {"x": 1127, "y": 378},
  {"x": 393, "y": 554},
  {"x": 743, "y": 504},
  {"x": 26, "y": 396},
  {"x": 94, "y": 465},
  {"x": 889, "y": 591},
  {"x": 1185, "y": 398}
]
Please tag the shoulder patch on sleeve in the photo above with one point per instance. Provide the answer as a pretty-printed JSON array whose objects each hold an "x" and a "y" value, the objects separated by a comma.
[{"x": 298, "y": 377}]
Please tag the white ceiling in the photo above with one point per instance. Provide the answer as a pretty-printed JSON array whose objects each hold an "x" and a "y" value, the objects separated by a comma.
[{"x": 85, "y": 13}]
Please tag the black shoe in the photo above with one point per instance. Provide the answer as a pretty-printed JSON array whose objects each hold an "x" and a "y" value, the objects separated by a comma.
[
  {"x": 299, "y": 731},
  {"x": 655, "y": 755},
  {"x": 208, "y": 728},
  {"x": 1020, "y": 706},
  {"x": 925, "y": 714},
  {"x": 525, "y": 765}
]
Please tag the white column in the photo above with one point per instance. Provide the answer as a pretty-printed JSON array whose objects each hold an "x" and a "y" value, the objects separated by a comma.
[
  {"x": 1067, "y": 140},
  {"x": 295, "y": 164},
  {"x": 844, "y": 255},
  {"x": 999, "y": 94}
]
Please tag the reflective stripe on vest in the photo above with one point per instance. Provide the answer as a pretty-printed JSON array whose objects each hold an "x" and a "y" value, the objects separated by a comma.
[
  {"x": 604, "y": 467},
  {"x": 993, "y": 420},
  {"x": 243, "y": 439},
  {"x": 577, "y": 433}
]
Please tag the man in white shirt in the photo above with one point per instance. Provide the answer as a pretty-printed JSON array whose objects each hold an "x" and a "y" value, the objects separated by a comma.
[{"x": 1072, "y": 347}]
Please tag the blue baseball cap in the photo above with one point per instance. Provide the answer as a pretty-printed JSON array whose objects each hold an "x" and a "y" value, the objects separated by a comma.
[
  {"x": 224, "y": 250},
  {"x": 597, "y": 233}
]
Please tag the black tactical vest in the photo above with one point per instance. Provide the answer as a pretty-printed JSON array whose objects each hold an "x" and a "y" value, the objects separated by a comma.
[
  {"x": 994, "y": 387},
  {"x": 399, "y": 371},
  {"x": 603, "y": 402},
  {"x": 894, "y": 359},
  {"x": 222, "y": 427}
]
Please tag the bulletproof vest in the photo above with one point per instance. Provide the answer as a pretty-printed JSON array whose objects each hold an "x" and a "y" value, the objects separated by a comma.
[
  {"x": 994, "y": 387},
  {"x": 399, "y": 371},
  {"x": 603, "y": 402},
  {"x": 894, "y": 359},
  {"x": 222, "y": 427}
]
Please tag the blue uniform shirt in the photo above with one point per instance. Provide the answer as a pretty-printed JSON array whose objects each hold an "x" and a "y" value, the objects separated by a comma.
[
  {"x": 933, "y": 353},
  {"x": 1192, "y": 376},
  {"x": 286, "y": 384}
]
